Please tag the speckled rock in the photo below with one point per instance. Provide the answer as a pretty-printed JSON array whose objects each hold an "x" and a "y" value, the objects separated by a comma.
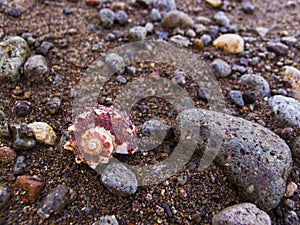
[
  {"x": 214, "y": 3},
  {"x": 255, "y": 160},
  {"x": 179, "y": 77},
  {"x": 20, "y": 166},
  {"x": 232, "y": 43},
  {"x": 176, "y": 19},
  {"x": 121, "y": 17},
  {"x": 180, "y": 40},
  {"x": 32, "y": 184},
  {"x": 236, "y": 97},
  {"x": 164, "y": 5},
  {"x": 36, "y": 68},
  {"x": 23, "y": 136},
  {"x": 220, "y": 68},
  {"x": 53, "y": 105},
  {"x": 4, "y": 130},
  {"x": 295, "y": 147},
  {"x": 286, "y": 109},
  {"x": 44, "y": 48},
  {"x": 244, "y": 213},
  {"x": 4, "y": 196},
  {"x": 107, "y": 17},
  {"x": 293, "y": 75},
  {"x": 119, "y": 180},
  {"x": 7, "y": 155},
  {"x": 13, "y": 54},
  {"x": 22, "y": 108},
  {"x": 155, "y": 15},
  {"x": 277, "y": 47},
  {"x": 107, "y": 220},
  {"x": 206, "y": 39},
  {"x": 137, "y": 33},
  {"x": 254, "y": 87},
  {"x": 43, "y": 132},
  {"x": 115, "y": 62},
  {"x": 221, "y": 19}
]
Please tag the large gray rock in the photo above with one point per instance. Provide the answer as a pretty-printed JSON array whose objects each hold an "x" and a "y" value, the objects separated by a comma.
[
  {"x": 244, "y": 213},
  {"x": 287, "y": 110},
  {"x": 256, "y": 160},
  {"x": 13, "y": 54}
]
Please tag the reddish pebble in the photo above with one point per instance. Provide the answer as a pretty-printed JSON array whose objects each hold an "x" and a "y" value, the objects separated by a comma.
[
  {"x": 291, "y": 188},
  {"x": 7, "y": 155},
  {"x": 92, "y": 2},
  {"x": 32, "y": 184}
]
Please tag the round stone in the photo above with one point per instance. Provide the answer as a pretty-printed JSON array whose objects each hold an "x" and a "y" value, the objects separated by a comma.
[
  {"x": 137, "y": 33},
  {"x": 222, "y": 19},
  {"x": 176, "y": 19},
  {"x": 107, "y": 17},
  {"x": 221, "y": 68},
  {"x": 36, "y": 68},
  {"x": 155, "y": 15},
  {"x": 121, "y": 17},
  {"x": 231, "y": 43}
]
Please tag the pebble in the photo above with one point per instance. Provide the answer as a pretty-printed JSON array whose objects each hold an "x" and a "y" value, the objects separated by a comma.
[
  {"x": 4, "y": 130},
  {"x": 231, "y": 43},
  {"x": 21, "y": 5},
  {"x": 214, "y": 3},
  {"x": 13, "y": 12},
  {"x": 213, "y": 31},
  {"x": 165, "y": 5},
  {"x": 291, "y": 188},
  {"x": 22, "y": 108},
  {"x": 13, "y": 54},
  {"x": 43, "y": 132},
  {"x": 289, "y": 203},
  {"x": 198, "y": 44},
  {"x": 206, "y": 39},
  {"x": 277, "y": 47},
  {"x": 92, "y": 2},
  {"x": 119, "y": 180},
  {"x": 36, "y": 68},
  {"x": 236, "y": 97},
  {"x": 149, "y": 28},
  {"x": 55, "y": 201},
  {"x": 131, "y": 70},
  {"x": 7, "y": 155},
  {"x": 295, "y": 147},
  {"x": 109, "y": 37},
  {"x": 137, "y": 33},
  {"x": 191, "y": 33},
  {"x": 220, "y": 68},
  {"x": 222, "y": 19},
  {"x": 286, "y": 109},
  {"x": 248, "y": 7},
  {"x": 179, "y": 77},
  {"x": 200, "y": 28},
  {"x": 44, "y": 48},
  {"x": 53, "y": 105},
  {"x": 180, "y": 40},
  {"x": 262, "y": 31},
  {"x": 107, "y": 17},
  {"x": 107, "y": 220},
  {"x": 121, "y": 17},
  {"x": 255, "y": 160},
  {"x": 4, "y": 195},
  {"x": 67, "y": 10},
  {"x": 20, "y": 166},
  {"x": 293, "y": 75},
  {"x": 121, "y": 79},
  {"x": 115, "y": 62},
  {"x": 155, "y": 15},
  {"x": 291, "y": 218},
  {"x": 204, "y": 93},
  {"x": 290, "y": 40},
  {"x": 239, "y": 68},
  {"x": 23, "y": 136},
  {"x": 32, "y": 184},
  {"x": 176, "y": 19},
  {"x": 254, "y": 87},
  {"x": 243, "y": 213}
]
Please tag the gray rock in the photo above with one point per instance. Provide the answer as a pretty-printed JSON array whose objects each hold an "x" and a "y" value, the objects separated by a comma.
[
  {"x": 204, "y": 93},
  {"x": 53, "y": 105},
  {"x": 121, "y": 79},
  {"x": 236, "y": 97},
  {"x": 206, "y": 39},
  {"x": 176, "y": 19},
  {"x": 109, "y": 37},
  {"x": 295, "y": 147},
  {"x": 44, "y": 48},
  {"x": 149, "y": 27},
  {"x": 244, "y": 213},
  {"x": 255, "y": 160},
  {"x": 14, "y": 12},
  {"x": 254, "y": 87},
  {"x": 119, "y": 180},
  {"x": 137, "y": 33},
  {"x": 20, "y": 166},
  {"x": 290, "y": 218},
  {"x": 107, "y": 17},
  {"x": 290, "y": 40},
  {"x": 155, "y": 15},
  {"x": 248, "y": 7},
  {"x": 286, "y": 109},
  {"x": 55, "y": 201},
  {"x": 4, "y": 196},
  {"x": 165, "y": 5},
  {"x": 180, "y": 40},
  {"x": 115, "y": 62},
  {"x": 220, "y": 68},
  {"x": 222, "y": 19},
  {"x": 146, "y": 2},
  {"x": 121, "y": 17},
  {"x": 277, "y": 47},
  {"x": 36, "y": 68},
  {"x": 22, "y": 108},
  {"x": 23, "y": 136},
  {"x": 179, "y": 77},
  {"x": 13, "y": 54},
  {"x": 4, "y": 130},
  {"x": 262, "y": 31},
  {"x": 107, "y": 220}
]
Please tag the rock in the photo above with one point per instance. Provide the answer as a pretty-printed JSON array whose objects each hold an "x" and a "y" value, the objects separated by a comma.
[
  {"x": 286, "y": 109},
  {"x": 115, "y": 62},
  {"x": 7, "y": 155},
  {"x": 22, "y": 108},
  {"x": 55, "y": 201},
  {"x": 146, "y": 3},
  {"x": 220, "y": 68},
  {"x": 222, "y": 19},
  {"x": 107, "y": 220},
  {"x": 13, "y": 12},
  {"x": 291, "y": 188},
  {"x": 32, "y": 184},
  {"x": 121, "y": 17},
  {"x": 236, "y": 97},
  {"x": 176, "y": 19},
  {"x": 155, "y": 15},
  {"x": 206, "y": 39},
  {"x": 149, "y": 28},
  {"x": 4, "y": 131},
  {"x": 248, "y": 7},
  {"x": 4, "y": 196},
  {"x": 198, "y": 44},
  {"x": 44, "y": 48},
  {"x": 200, "y": 28},
  {"x": 23, "y": 136},
  {"x": 244, "y": 213},
  {"x": 289, "y": 40},
  {"x": 92, "y": 2},
  {"x": 13, "y": 54},
  {"x": 67, "y": 10},
  {"x": 53, "y": 105},
  {"x": 165, "y": 5},
  {"x": 277, "y": 47},
  {"x": 107, "y": 17},
  {"x": 262, "y": 31},
  {"x": 204, "y": 93},
  {"x": 119, "y": 180},
  {"x": 137, "y": 33},
  {"x": 191, "y": 33},
  {"x": 36, "y": 68},
  {"x": 180, "y": 40},
  {"x": 295, "y": 147},
  {"x": 21, "y": 5},
  {"x": 232, "y": 43},
  {"x": 109, "y": 37},
  {"x": 254, "y": 87},
  {"x": 293, "y": 75},
  {"x": 20, "y": 166},
  {"x": 179, "y": 77},
  {"x": 43, "y": 132},
  {"x": 290, "y": 218},
  {"x": 254, "y": 159},
  {"x": 121, "y": 79},
  {"x": 214, "y": 3}
]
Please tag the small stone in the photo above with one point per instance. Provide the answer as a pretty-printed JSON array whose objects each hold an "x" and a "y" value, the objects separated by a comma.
[
  {"x": 137, "y": 33},
  {"x": 165, "y": 5},
  {"x": 289, "y": 40},
  {"x": 119, "y": 180},
  {"x": 248, "y": 7},
  {"x": 244, "y": 213},
  {"x": 155, "y": 15},
  {"x": 176, "y": 19},
  {"x": 4, "y": 130},
  {"x": 287, "y": 133},
  {"x": 289, "y": 203},
  {"x": 22, "y": 108},
  {"x": 23, "y": 136},
  {"x": 7, "y": 155},
  {"x": 232, "y": 43},
  {"x": 13, "y": 12},
  {"x": 131, "y": 70},
  {"x": 92, "y": 2},
  {"x": 43, "y": 132},
  {"x": 254, "y": 87},
  {"x": 213, "y": 31},
  {"x": 67, "y": 10},
  {"x": 236, "y": 97},
  {"x": 277, "y": 47},
  {"x": 196, "y": 218},
  {"x": 204, "y": 93},
  {"x": 55, "y": 201},
  {"x": 198, "y": 44},
  {"x": 36, "y": 68},
  {"x": 222, "y": 19},
  {"x": 121, "y": 79},
  {"x": 149, "y": 28},
  {"x": 179, "y": 77},
  {"x": 262, "y": 31},
  {"x": 200, "y": 28},
  {"x": 53, "y": 105},
  {"x": 121, "y": 17},
  {"x": 109, "y": 37},
  {"x": 115, "y": 62},
  {"x": 21, "y": 5},
  {"x": 162, "y": 35},
  {"x": 239, "y": 68},
  {"x": 206, "y": 39},
  {"x": 293, "y": 75},
  {"x": 291, "y": 218},
  {"x": 214, "y": 3},
  {"x": 291, "y": 188},
  {"x": 180, "y": 40},
  {"x": 182, "y": 180},
  {"x": 4, "y": 195},
  {"x": 107, "y": 220},
  {"x": 220, "y": 68},
  {"x": 107, "y": 17},
  {"x": 32, "y": 184},
  {"x": 20, "y": 166},
  {"x": 295, "y": 147},
  {"x": 44, "y": 48},
  {"x": 13, "y": 54},
  {"x": 191, "y": 33}
]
